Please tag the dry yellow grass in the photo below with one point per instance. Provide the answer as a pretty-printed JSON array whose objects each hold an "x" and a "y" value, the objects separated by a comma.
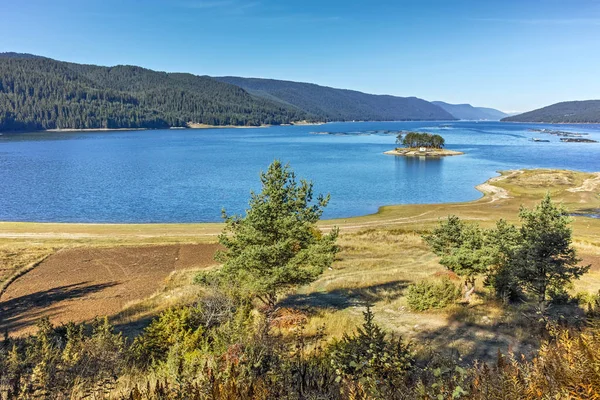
[
  {"x": 13, "y": 258},
  {"x": 381, "y": 255}
]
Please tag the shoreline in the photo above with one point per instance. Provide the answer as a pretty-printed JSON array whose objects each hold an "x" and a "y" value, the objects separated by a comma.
[
  {"x": 190, "y": 126},
  {"x": 297, "y": 123},
  {"x": 487, "y": 190},
  {"x": 498, "y": 196},
  {"x": 417, "y": 153},
  {"x": 551, "y": 123},
  {"x": 64, "y": 130},
  {"x": 207, "y": 126}
]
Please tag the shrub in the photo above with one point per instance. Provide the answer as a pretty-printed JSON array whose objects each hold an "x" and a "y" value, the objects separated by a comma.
[
  {"x": 369, "y": 362},
  {"x": 59, "y": 361},
  {"x": 181, "y": 326},
  {"x": 426, "y": 295}
]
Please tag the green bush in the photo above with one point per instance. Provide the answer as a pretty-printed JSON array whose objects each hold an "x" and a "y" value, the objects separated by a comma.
[
  {"x": 426, "y": 295},
  {"x": 370, "y": 362},
  {"x": 175, "y": 326}
]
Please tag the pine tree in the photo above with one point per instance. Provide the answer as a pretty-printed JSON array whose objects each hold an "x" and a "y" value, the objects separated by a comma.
[
  {"x": 546, "y": 260},
  {"x": 277, "y": 246},
  {"x": 461, "y": 249}
]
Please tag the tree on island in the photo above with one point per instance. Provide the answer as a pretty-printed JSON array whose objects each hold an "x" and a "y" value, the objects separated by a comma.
[
  {"x": 277, "y": 245},
  {"x": 417, "y": 139},
  {"x": 399, "y": 138}
]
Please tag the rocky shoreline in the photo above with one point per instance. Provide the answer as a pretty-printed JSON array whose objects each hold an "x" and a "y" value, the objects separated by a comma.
[{"x": 425, "y": 153}]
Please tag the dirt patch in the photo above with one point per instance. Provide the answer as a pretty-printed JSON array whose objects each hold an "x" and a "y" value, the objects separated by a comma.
[
  {"x": 447, "y": 274},
  {"x": 494, "y": 192},
  {"x": 82, "y": 283},
  {"x": 589, "y": 185},
  {"x": 590, "y": 259}
]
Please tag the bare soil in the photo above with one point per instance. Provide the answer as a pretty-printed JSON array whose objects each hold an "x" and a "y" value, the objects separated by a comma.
[{"x": 81, "y": 283}]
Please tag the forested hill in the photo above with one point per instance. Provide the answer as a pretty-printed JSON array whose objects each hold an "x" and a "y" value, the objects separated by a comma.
[
  {"x": 468, "y": 112},
  {"x": 40, "y": 93},
  {"x": 331, "y": 104},
  {"x": 567, "y": 112}
]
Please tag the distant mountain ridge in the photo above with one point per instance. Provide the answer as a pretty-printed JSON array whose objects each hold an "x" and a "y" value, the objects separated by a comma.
[
  {"x": 331, "y": 104},
  {"x": 38, "y": 93},
  {"x": 12, "y": 54},
  {"x": 469, "y": 112},
  {"x": 587, "y": 111}
]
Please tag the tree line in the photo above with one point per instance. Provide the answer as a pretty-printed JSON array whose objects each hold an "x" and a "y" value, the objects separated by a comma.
[
  {"x": 38, "y": 93},
  {"x": 418, "y": 139}
]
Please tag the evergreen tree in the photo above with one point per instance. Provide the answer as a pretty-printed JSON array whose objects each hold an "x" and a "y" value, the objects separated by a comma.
[
  {"x": 461, "y": 248},
  {"x": 377, "y": 363},
  {"x": 417, "y": 139},
  {"x": 277, "y": 246},
  {"x": 546, "y": 261},
  {"x": 502, "y": 241}
]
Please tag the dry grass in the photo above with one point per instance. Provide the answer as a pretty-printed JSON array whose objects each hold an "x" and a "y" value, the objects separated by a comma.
[
  {"x": 375, "y": 267},
  {"x": 381, "y": 255},
  {"x": 13, "y": 258}
]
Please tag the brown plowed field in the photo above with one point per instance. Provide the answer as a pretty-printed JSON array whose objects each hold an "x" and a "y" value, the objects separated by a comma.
[{"x": 82, "y": 283}]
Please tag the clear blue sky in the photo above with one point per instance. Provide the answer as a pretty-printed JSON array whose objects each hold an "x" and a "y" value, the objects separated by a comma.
[{"x": 512, "y": 55}]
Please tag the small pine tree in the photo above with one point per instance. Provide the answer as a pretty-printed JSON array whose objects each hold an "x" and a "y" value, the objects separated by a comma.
[
  {"x": 546, "y": 260},
  {"x": 277, "y": 245},
  {"x": 502, "y": 241},
  {"x": 461, "y": 249},
  {"x": 368, "y": 357}
]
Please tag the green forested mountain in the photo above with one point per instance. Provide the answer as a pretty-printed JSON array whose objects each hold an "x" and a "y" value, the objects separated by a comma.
[
  {"x": 468, "y": 112},
  {"x": 566, "y": 112},
  {"x": 40, "y": 93},
  {"x": 331, "y": 104}
]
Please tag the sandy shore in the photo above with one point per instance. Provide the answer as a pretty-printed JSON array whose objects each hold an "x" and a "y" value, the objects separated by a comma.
[
  {"x": 206, "y": 126},
  {"x": 95, "y": 130},
  {"x": 428, "y": 153},
  {"x": 190, "y": 126},
  {"x": 306, "y": 123}
]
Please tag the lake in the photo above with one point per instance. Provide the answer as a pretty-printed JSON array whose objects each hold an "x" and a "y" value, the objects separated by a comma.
[{"x": 190, "y": 175}]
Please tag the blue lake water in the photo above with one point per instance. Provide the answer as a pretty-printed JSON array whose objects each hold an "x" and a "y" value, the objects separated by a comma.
[{"x": 190, "y": 175}]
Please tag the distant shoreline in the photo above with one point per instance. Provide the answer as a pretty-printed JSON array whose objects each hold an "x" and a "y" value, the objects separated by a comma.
[
  {"x": 207, "y": 126},
  {"x": 92, "y": 130},
  {"x": 551, "y": 123},
  {"x": 298, "y": 123},
  {"x": 190, "y": 126}
]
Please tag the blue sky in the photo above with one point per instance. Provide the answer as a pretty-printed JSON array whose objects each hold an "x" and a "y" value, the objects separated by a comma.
[{"x": 512, "y": 55}]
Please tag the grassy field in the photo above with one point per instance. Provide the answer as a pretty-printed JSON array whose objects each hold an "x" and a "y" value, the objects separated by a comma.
[{"x": 381, "y": 255}]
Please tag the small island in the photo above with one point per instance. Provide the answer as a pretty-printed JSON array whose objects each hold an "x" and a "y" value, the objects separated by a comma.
[{"x": 418, "y": 144}]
